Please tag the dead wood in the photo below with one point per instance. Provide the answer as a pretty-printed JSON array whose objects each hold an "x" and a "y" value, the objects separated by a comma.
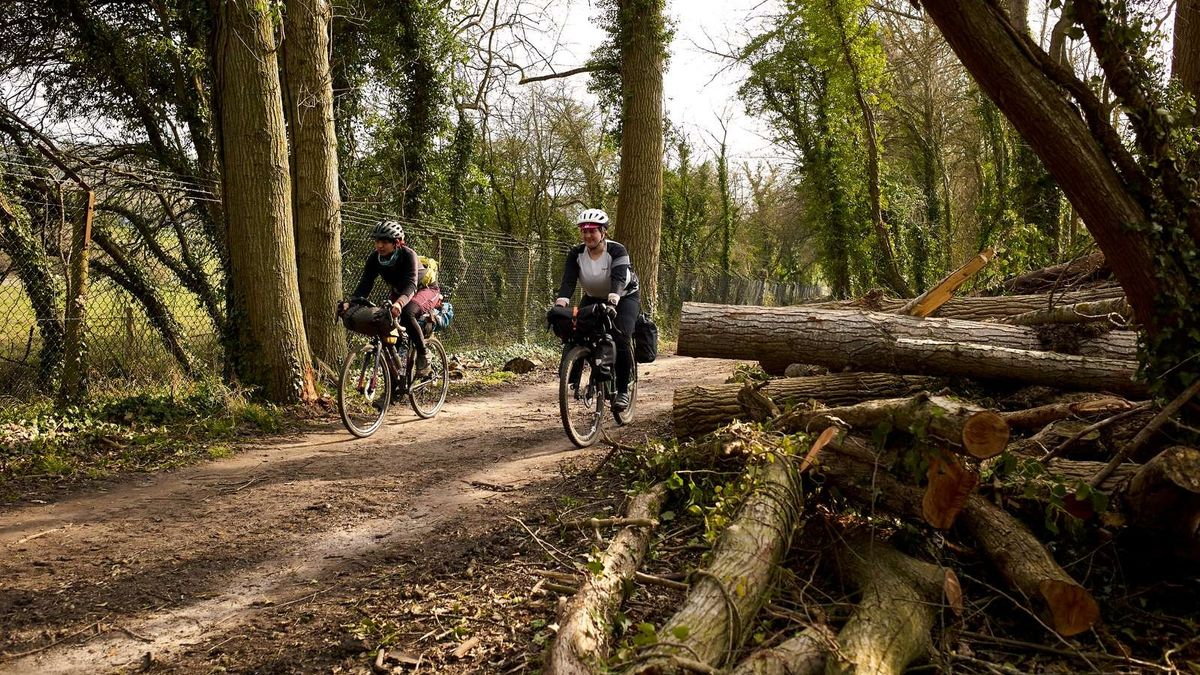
[
  {"x": 951, "y": 481},
  {"x": 725, "y": 597},
  {"x": 1036, "y": 418},
  {"x": 1148, "y": 431},
  {"x": 1164, "y": 500},
  {"x": 1062, "y": 276},
  {"x": 700, "y": 410},
  {"x": 585, "y": 623},
  {"x": 928, "y": 302},
  {"x": 1115, "y": 311},
  {"x": 872, "y": 341},
  {"x": 964, "y": 428},
  {"x": 803, "y": 654},
  {"x": 891, "y": 624},
  {"x": 1028, "y": 567},
  {"x": 981, "y": 308}
]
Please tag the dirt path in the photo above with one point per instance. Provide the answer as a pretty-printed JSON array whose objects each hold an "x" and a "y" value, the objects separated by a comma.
[{"x": 163, "y": 562}]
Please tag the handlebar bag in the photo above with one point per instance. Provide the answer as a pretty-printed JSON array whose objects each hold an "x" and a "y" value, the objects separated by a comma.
[{"x": 369, "y": 321}]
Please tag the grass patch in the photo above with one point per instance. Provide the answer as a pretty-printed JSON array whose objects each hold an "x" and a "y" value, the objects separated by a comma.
[{"x": 153, "y": 429}]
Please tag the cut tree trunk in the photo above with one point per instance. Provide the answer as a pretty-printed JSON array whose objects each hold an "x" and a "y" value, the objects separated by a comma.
[
  {"x": 1026, "y": 564},
  {"x": 983, "y": 308},
  {"x": 891, "y": 624},
  {"x": 1036, "y": 418},
  {"x": 950, "y": 484},
  {"x": 841, "y": 339},
  {"x": 719, "y": 611},
  {"x": 585, "y": 623},
  {"x": 979, "y": 433},
  {"x": 700, "y": 410},
  {"x": 801, "y": 655},
  {"x": 1113, "y": 310},
  {"x": 1064, "y": 275},
  {"x": 1164, "y": 498}
]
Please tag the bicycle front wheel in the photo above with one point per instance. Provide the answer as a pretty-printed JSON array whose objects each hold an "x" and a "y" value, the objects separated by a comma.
[
  {"x": 580, "y": 397},
  {"x": 428, "y": 395},
  {"x": 364, "y": 390}
]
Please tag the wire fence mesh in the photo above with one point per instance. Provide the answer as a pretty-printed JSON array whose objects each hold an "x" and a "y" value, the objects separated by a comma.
[{"x": 154, "y": 306}]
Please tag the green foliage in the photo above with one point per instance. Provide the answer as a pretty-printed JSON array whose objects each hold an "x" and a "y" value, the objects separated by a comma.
[{"x": 145, "y": 431}]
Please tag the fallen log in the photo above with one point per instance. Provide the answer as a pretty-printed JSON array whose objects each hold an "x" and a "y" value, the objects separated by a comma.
[
  {"x": 950, "y": 483},
  {"x": 718, "y": 613},
  {"x": 803, "y": 654},
  {"x": 983, "y": 308},
  {"x": 1036, "y": 418},
  {"x": 1164, "y": 499},
  {"x": 1018, "y": 555},
  {"x": 891, "y": 624},
  {"x": 699, "y": 410},
  {"x": 928, "y": 302},
  {"x": 979, "y": 433},
  {"x": 1064, "y": 275},
  {"x": 585, "y": 623},
  {"x": 1026, "y": 564},
  {"x": 844, "y": 339},
  {"x": 1114, "y": 310}
]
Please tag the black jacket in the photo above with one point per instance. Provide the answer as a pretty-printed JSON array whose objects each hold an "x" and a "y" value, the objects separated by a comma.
[{"x": 401, "y": 277}]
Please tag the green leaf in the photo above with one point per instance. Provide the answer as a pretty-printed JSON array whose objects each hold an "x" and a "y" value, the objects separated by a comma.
[
  {"x": 667, "y": 516},
  {"x": 595, "y": 566},
  {"x": 680, "y": 632},
  {"x": 1075, "y": 32}
]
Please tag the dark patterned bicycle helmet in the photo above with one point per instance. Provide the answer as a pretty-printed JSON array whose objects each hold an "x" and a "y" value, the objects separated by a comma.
[{"x": 388, "y": 229}]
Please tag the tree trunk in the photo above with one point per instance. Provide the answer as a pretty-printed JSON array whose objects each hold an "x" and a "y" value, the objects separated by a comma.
[
  {"x": 272, "y": 352},
  {"x": 928, "y": 302},
  {"x": 979, "y": 433},
  {"x": 1030, "y": 568},
  {"x": 1061, "y": 276},
  {"x": 41, "y": 286},
  {"x": 803, "y": 654},
  {"x": 639, "y": 211},
  {"x": 585, "y": 623},
  {"x": 1020, "y": 557},
  {"x": 699, "y": 410},
  {"x": 872, "y": 341},
  {"x": 1115, "y": 311},
  {"x": 1008, "y": 73},
  {"x": 720, "y": 608},
  {"x": 891, "y": 624},
  {"x": 318, "y": 220},
  {"x": 891, "y": 270},
  {"x": 1185, "y": 61},
  {"x": 982, "y": 308},
  {"x": 1036, "y": 418},
  {"x": 75, "y": 347},
  {"x": 1164, "y": 498}
]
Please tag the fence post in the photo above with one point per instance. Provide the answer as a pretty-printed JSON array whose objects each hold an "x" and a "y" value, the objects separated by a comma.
[
  {"x": 523, "y": 335},
  {"x": 74, "y": 377}
]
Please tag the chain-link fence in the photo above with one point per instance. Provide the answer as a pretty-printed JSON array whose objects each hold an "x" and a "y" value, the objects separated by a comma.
[{"x": 153, "y": 309}]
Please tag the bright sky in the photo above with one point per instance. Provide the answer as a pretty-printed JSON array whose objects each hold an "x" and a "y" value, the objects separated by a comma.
[{"x": 699, "y": 87}]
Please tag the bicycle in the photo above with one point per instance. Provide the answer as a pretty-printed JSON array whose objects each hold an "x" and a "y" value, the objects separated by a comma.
[
  {"x": 374, "y": 374},
  {"x": 587, "y": 377}
]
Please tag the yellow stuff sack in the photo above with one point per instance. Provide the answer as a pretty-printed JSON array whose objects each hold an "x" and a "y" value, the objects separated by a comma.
[{"x": 430, "y": 273}]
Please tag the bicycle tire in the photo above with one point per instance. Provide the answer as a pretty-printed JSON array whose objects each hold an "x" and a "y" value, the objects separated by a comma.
[
  {"x": 358, "y": 362},
  {"x": 588, "y": 404},
  {"x": 438, "y": 383}
]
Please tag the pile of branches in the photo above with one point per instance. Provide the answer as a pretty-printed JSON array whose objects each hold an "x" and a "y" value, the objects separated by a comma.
[{"x": 979, "y": 435}]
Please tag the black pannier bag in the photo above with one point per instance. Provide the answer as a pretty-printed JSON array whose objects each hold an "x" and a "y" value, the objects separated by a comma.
[
  {"x": 574, "y": 323},
  {"x": 369, "y": 321},
  {"x": 604, "y": 356},
  {"x": 645, "y": 339}
]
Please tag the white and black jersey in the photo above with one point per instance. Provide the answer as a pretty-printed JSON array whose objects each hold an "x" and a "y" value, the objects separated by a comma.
[{"x": 612, "y": 272}]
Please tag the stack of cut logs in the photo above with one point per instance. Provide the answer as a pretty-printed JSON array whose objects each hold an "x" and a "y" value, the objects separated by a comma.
[{"x": 1057, "y": 373}]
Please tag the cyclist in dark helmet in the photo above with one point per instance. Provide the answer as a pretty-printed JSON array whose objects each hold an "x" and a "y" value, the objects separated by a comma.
[
  {"x": 603, "y": 268},
  {"x": 401, "y": 269}
]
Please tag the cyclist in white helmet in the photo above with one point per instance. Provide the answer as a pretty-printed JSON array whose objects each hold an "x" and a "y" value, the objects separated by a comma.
[{"x": 603, "y": 268}]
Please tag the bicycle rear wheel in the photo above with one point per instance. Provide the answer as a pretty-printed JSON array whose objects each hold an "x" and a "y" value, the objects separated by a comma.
[
  {"x": 427, "y": 396},
  {"x": 364, "y": 390},
  {"x": 580, "y": 397}
]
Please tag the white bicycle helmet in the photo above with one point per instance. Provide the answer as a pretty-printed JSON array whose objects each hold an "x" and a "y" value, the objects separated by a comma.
[{"x": 597, "y": 216}]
